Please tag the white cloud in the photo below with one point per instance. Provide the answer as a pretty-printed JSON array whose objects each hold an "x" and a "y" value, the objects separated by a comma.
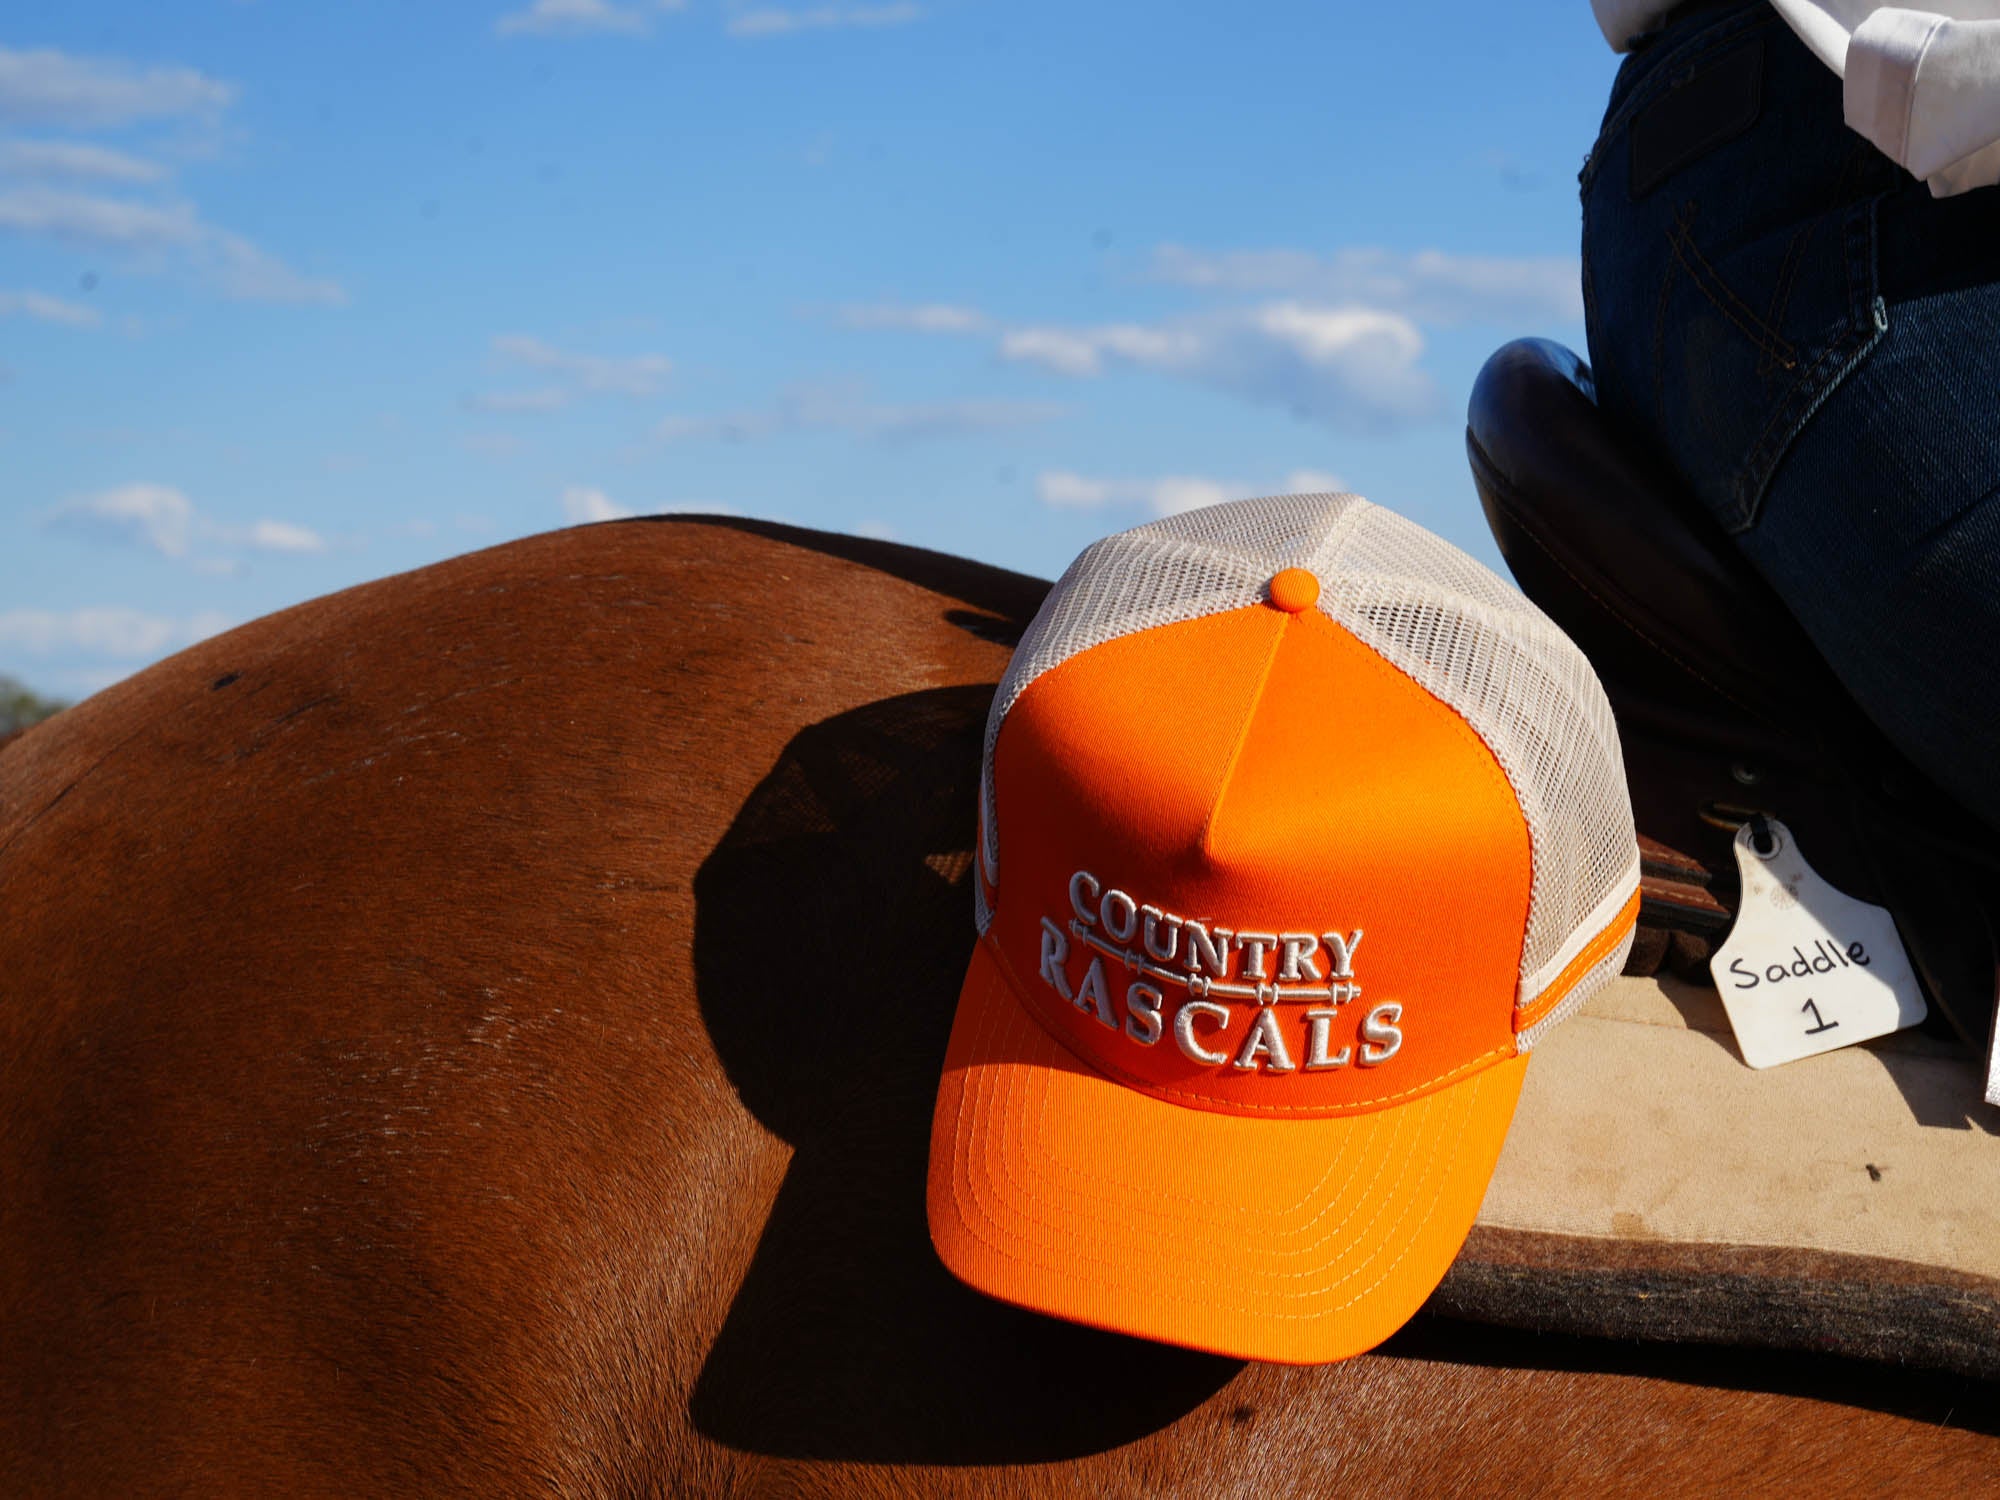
[
  {"x": 769, "y": 21},
  {"x": 1429, "y": 285},
  {"x": 632, "y": 375},
  {"x": 844, "y": 408},
  {"x": 75, "y": 159},
  {"x": 582, "y": 18},
  {"x": 157, "y": 517},
  {"x": 1057, "y": 349},
  {"x": 162, "y": 519},
  {"x": 249, "y": 274},
  {"x": 105, "y": 631},
  {"x": 1348, "y": 366},
  {"x": 1081, "y": 351},
  {"x": 582, "y": 505},
  {"x": 1169, "y": 494},
  {"x": 238, "y": 267},
  {"x": 1314, "y": 482},
  {"x": 549, "y": 398},
  {"x": 932, "y": 317},
  {"x": 546, "y": 17},
  {"x": 47, "y": 87},
  {"x": 86, "y": 218},
  {"x": 48, "y": 309},
  {"x": 283, "y": 536}
]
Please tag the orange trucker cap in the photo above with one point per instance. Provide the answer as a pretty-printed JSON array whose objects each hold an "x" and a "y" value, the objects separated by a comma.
[{"x": 1298, "y": 828}]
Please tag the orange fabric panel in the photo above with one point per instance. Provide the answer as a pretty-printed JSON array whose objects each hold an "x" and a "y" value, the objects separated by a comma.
[{"x": 1294, "y": 784}]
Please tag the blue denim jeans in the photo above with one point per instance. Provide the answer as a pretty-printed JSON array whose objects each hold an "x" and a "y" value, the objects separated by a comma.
[{"x": 1795, "y": 327}]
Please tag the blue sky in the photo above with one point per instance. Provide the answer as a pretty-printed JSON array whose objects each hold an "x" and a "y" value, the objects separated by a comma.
[{"x": 293, "y": 296}]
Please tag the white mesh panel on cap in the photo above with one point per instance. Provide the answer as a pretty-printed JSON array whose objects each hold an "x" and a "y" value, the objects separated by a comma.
[
  {"x": 1478, "y": 644},
  {"x": 1198, "y": 563}
]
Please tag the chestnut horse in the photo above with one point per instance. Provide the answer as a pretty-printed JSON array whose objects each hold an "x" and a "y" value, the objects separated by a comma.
[{"x": 475, "y": 1034}]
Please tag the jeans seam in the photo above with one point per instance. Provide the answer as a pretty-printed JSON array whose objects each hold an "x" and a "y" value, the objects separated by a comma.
[
  {"x": 1768, "y": 341},
  {"x": 1660, "y": 306},
  {"x": 1781, "y": 299},
  {"x": 1812, "y": 388}
]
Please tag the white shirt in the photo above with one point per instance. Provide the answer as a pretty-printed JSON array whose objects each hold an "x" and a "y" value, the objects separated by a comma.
[{"x": 1923, "y": 85}]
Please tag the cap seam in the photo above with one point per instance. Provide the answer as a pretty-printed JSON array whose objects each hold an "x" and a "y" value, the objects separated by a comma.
[{"x": 1242, "y": 735}]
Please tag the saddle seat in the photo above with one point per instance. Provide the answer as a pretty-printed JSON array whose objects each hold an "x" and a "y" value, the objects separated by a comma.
[{"x": 1725, "y": 708}]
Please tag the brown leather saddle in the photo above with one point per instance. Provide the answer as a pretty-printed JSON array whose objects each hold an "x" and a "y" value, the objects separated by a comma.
[{"x": 1724, "y": 707}]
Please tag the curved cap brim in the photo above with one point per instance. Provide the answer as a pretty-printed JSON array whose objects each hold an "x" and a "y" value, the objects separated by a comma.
[{"x": 1294, "y": 1240}]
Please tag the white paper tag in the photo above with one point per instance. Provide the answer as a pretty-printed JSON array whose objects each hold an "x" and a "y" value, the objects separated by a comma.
[
  {"x": 1807, "y": 969},
  {"x": 1993, "y": 1061}
]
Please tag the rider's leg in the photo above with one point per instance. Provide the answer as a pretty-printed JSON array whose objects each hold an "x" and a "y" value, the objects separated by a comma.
[{"x": 1812, "y": 342}]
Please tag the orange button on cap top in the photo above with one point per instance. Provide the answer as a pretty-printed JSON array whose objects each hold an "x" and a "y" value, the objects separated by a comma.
[{"x": 1294, "y": 590}]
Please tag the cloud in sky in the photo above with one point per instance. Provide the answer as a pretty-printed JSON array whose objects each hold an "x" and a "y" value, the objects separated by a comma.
[
  {"x": 85, "y": 218},
  {"x": 162, "y": 519},
  {"x": 1170, "y": 494},
  {"x": 47, "y": 309},
  {"x": 161, "y": 230},
  {"x": 581, "y": 505},
  {"x": 157, "y": 517},
  {"x": 112, "y": 631},
  {"x": 1352, "y": 367},
  {"x": 770, "y": 21},
  {"x": 1335, "y": 337},
  {"x": 47, "y": 87},
  {"x": 929, "y": 317},
  {"x": 84, "y": 193},
  {"x": 546, "y": 398},
  {"x": 281, "y": 536},
  {"x": 1430, "y": 286},
  {"x": 75, "y": 160},
  {"x": 582, "y": 18},
  {"x": 578, "y": 374},
  {"x": 1348, "y": 365},
  {"x": 844, "y": 408}
]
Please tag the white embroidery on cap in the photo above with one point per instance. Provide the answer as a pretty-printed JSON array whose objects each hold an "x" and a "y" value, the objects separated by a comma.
[
  {"x": 1381, "y": 1039},
  {"x": 1202, "y": 949},
  {"x": 1184, "y": 1029},
  {"x": 1319, "y": 1031},
  {"x": 1298, "y": 949},
  {"x": 1209, "y": 949},
  {"x": 1215, "y": 963},
  {"x": 1055, "y": 952},
  {"x": 1264, "y": 1040},
  {"x": 1096, "y": 991},
  {"x": 1125, "y": 922},
  {"x": 1340, "y": 953},
  {"x": 1081, "y": 904},
  {"x": 1255, "y": 945},
  {"x": 1142, "y": 1004}
]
